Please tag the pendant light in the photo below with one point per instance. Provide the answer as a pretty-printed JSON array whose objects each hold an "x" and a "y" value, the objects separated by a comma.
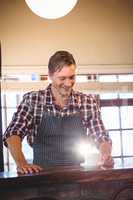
[{"x": 51, "y": 9}]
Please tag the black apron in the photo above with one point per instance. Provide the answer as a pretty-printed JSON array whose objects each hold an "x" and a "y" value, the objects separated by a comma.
[{"x": 57, "y": 140}]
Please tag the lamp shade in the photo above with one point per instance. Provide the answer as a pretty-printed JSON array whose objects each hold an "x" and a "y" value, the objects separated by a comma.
[{"x": 51, "y": 9}]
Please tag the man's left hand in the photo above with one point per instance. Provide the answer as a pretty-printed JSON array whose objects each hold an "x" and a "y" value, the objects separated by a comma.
[{"x": 106, "y": 159}]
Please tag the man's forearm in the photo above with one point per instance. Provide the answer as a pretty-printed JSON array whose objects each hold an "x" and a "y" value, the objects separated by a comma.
[
  {"x": 105, "y": 148},
  {"x": 15, "y": 147}
]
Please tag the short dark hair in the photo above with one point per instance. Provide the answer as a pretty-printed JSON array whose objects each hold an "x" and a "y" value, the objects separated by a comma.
[{"x": 59, "y": 59}]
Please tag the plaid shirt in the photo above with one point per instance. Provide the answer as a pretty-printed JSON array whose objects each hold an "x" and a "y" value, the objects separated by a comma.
[{"x": 29, "y": 113}]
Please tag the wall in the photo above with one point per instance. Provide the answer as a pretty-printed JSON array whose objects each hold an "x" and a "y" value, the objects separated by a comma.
[{"x": 97, "y": 32}]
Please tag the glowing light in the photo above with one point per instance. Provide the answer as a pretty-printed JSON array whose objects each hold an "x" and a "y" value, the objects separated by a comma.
[
  {"x": 51, "y": 9},
  {"x": 87, "y": 149},
  {"x": 90, "y": 154}
]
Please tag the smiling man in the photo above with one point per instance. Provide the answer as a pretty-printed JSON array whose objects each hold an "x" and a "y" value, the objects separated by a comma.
[
  {"x": 55, "y": 120},
  {"x": 62, "y": 84}
]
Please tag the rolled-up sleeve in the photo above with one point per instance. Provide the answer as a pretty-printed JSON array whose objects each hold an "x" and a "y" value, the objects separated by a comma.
[{"x": 21, "y": 123}]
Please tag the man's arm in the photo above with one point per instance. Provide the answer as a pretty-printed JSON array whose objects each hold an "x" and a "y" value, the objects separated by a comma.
[
  {"x": 98, "y": 133},
  {"x": 15, "y": 147}
]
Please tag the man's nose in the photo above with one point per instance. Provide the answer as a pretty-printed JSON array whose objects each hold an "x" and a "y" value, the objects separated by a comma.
[{"x": 68, "y": 82}]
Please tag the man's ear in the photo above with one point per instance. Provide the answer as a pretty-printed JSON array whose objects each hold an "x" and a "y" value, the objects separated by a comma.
[{"x": 50, "y": 76}]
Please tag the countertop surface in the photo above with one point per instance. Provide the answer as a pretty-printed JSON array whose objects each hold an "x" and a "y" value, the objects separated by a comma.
[{"x": 67, "y": 174}]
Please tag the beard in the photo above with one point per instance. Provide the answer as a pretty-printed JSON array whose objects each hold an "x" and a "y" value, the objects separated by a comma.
[
  {"x": 65, "y": 92},
  {"x": 61, "y": 91}
]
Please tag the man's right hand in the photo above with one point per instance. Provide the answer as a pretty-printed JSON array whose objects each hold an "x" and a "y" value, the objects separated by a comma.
[{"x": 29, "y": 168}]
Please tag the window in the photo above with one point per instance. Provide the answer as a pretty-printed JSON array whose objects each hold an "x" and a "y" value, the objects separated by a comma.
[{"x": 116, "y": 109}]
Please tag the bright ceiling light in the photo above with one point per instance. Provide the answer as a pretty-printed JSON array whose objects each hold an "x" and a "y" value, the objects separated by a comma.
[{"x": 51, "y": 9}]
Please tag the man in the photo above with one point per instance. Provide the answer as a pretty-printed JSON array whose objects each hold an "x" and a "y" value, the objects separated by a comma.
[{"x": 56, "y": 120}]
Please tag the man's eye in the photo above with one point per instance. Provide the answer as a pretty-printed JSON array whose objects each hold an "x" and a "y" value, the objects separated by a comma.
[
  {"x": 72, "y": 77},
  {"x": 62, "y": 79}
]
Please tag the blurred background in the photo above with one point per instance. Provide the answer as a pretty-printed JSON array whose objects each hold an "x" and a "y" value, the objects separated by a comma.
[{"x": 99, "y": 33}]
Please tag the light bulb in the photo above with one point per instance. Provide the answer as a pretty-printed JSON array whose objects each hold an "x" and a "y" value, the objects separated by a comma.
[{"x": 51, "y": 9}]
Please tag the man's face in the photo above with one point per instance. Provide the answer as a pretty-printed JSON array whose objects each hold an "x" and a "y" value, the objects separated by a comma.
[{"x": 64, "y": 80}]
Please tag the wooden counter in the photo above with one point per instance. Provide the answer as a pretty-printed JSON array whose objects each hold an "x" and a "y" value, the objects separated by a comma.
[{"x": 69, "y": 183}]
